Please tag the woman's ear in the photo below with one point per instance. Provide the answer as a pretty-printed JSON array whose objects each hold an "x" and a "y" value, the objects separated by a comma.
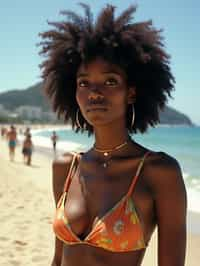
[{"x": 131, "y": 95}]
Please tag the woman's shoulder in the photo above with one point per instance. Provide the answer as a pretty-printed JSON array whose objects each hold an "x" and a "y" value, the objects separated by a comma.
[
  {"x": 64, "y": 160},
  {"x": 162, "y": 169},
  {"x": 168, "y": 191},
  {"x": 162, "y": 161}
]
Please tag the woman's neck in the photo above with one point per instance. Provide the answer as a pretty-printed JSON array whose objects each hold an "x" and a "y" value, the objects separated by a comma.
[{"x": 109, "y": 137}]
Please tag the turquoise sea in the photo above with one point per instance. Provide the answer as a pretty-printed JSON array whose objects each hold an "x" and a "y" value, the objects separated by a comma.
[{"x": 181, "y": 142}]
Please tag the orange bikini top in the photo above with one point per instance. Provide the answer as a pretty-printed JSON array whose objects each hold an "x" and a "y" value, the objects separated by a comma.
[{"x": 118, "y": 230}]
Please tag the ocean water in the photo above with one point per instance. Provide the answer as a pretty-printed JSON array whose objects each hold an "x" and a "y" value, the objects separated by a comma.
[{"x": 181, "y": 142}]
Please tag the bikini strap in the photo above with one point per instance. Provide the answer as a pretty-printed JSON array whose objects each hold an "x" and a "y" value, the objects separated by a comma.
[
  {"x": 139, "y": 168},
  {"x": 71, "y": 171}
]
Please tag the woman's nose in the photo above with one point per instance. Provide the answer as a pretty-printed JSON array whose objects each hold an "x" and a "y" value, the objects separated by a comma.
[{"x": 95, "y": 92}]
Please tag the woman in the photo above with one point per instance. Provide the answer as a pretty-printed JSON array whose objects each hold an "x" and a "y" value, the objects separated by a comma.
[
  {"x": 12, "y": 142},
  {"x": 110, "y": 78},
  {"x": 27, "y": 149},
  {"x": 54, "y": 139}
]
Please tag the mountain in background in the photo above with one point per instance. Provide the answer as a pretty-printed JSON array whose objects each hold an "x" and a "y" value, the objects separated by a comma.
[{"x": 34, "y": 96}]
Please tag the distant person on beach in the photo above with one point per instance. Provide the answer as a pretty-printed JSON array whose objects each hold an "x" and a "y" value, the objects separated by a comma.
[
  {"x": 54, "y": 139},
  {"x": 3, "y": 132},
  {"x": 20, "y": 131},
  {"x": 27, "y": 149},
  {"x": 110, "y": 78},
  {"x": 27, "y": 131},
  {"x": 12, "y": 142}
]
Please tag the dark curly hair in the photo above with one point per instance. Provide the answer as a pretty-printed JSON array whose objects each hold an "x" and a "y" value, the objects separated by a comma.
[{"x": 136, "y": 47}]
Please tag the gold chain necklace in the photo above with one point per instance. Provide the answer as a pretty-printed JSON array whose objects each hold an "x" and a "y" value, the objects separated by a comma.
[{"x": 107, "y": 151}]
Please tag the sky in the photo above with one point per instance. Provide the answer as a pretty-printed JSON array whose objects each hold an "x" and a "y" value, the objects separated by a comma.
[{"x": 22, "y": 20}]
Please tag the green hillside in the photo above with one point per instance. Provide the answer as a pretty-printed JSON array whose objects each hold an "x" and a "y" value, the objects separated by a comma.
[
  {"x": 174, "y": 117},
  {"x": 32, "y": 96}
]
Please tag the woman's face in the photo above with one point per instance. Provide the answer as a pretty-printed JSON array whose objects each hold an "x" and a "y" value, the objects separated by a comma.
[{"x": 102, "y": 92}]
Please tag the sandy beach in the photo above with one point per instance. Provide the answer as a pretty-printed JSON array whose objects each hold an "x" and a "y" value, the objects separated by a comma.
[{"x": 27, "y": 209}]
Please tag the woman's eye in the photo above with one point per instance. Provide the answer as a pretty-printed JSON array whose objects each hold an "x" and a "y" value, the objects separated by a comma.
[
  {"x": 111, "y": 82},
  {"x": 83, "y": 83}
]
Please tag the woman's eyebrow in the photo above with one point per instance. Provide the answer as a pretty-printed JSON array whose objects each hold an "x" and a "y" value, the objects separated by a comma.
[
  {"x": 83, "y": 74},
  {"x": 111, "y": 72},
  {"x": 80, "y": 75}
]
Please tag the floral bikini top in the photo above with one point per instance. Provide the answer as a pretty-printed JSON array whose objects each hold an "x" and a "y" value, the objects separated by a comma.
[{"x": 118, "y": 230}]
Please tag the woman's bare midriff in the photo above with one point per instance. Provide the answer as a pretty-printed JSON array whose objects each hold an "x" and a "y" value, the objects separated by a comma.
[{"x": 85, "y": 255}]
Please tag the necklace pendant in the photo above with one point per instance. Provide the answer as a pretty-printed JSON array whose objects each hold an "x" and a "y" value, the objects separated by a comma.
[
  {"x": 105, "y": 153},
  {"x": 105, "y": 165}
]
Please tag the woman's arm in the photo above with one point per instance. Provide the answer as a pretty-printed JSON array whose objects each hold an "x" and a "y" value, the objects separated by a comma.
[
  {"x": 170, "y": 205},
  {"x": 60, "y": 170}
]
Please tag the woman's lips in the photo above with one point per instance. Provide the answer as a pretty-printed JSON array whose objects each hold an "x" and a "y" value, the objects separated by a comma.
[{"x": 96, "y": 109}]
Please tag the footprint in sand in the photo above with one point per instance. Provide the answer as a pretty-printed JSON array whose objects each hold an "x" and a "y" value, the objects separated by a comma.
[
  {"x": 10, "y": 255},
  {"x": 2, "y": 238},
  {"x": 20, "y": 243},
  {"x": 19, "y": 248},
  {"x": 39, "y": 258},
  {"x": 46, "y": 218},
  {"x": 14, "y": 262},
  {"x": 20, "y": 207},
  {"x": 27, "y": 222}
]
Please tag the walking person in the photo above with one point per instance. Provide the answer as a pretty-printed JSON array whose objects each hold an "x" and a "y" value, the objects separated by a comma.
[
  {"x": 27, "y": 149},
  {"x": 12, "y": 142},
  {"x": 54, "y": 139}
]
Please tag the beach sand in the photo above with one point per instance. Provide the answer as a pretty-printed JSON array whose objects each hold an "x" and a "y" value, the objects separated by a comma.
[{"x": 27, "y": 210}]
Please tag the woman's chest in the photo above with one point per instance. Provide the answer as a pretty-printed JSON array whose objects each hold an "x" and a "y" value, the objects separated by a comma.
[{"x": 92, "y": 196}]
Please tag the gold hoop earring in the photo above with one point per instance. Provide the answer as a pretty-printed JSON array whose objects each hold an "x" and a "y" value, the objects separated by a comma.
[
  {"x": 78, "y": 122},
  {"x": 77, "y": 119},
  {"x": 133, "y": 116}
]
